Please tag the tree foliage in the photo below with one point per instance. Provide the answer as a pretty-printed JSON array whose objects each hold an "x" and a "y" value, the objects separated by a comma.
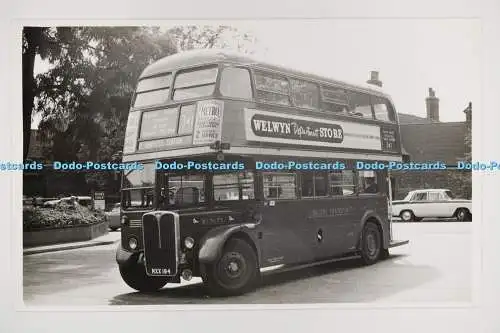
[
  {"x": 85, "y": 95},
  {"x": 206, "y": 37}
]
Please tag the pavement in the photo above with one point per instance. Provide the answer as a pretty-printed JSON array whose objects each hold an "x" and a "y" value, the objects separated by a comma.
[{"x": 110, "y": 238}]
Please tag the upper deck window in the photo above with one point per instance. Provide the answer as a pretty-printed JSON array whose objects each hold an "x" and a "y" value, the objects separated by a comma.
[
  {"x": 235, "y": 82},
  {"x": 272, "y": 88},
  {"x": 360, "y": 105},
  {"x": 195, "y": 83},
  {"x": 152, "y": 91},
  {"x": 335, "y": 100},
  {"x": 383, "y": 109},
  {"x": 305, "y": 94}
]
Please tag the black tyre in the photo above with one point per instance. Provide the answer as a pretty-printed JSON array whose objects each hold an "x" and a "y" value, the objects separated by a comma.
[
  {"x": 136, "y": 278},
  {"x": 462, "y": 215},
  {"x": 371, "y": 244},
  {"x": 407, "y": 216},
  {"x": 113, "y": 228},
  {"x": 235, "y": 272}
]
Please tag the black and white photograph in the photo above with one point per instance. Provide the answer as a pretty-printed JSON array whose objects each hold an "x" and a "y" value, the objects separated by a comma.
[{"x": 249, "y": 162}]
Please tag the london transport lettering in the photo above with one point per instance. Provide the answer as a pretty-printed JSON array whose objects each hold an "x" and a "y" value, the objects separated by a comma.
[
  {"x": 277, "y": 127},
  {"x": 328, "y": 212}
]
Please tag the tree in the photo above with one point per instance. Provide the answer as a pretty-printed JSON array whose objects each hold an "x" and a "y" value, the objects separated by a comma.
[
  {"x": 85, "y": 96},
  {"x": 206, "y": 37},
  {"x": 464, "y": 177},
  {"x": 36, "y": 41},
  {"x": 91, "y": 83}
]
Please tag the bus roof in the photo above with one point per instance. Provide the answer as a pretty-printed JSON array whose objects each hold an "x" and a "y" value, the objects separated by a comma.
[{"x": 200, "y": 57}]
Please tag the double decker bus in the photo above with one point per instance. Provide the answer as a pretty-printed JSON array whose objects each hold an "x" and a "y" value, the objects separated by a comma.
[{"x": 251, "y": 168}]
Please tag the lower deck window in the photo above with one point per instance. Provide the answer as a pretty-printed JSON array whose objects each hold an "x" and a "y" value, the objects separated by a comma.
[
  {"x": 314, "y": 184},
  {"x": 280, "y": 185},
  {"x": 186, "y": 190},
  {"x": 233, "y": 186},
  {"x": 342, "y": 182},
  {"x": 367, "y": 182}
]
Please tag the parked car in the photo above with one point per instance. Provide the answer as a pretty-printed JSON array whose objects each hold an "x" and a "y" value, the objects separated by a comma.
[
  {"x": 435, "y": 203},
  {"x": 113, "y": 217},
  {"x": 82, "y": 200}
]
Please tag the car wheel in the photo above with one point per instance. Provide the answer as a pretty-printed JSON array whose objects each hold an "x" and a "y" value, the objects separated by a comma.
[
  {"x": 113, "y": 228},
  {"x": 371, "y": 244},
  {"x": 407, "y": 216},
  {"x": 235, "y": 272},
  {"x": 134, "y": 275}
]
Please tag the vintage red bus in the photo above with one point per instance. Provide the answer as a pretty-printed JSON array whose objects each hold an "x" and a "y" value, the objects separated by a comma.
[{"x": 249, "y": 168}]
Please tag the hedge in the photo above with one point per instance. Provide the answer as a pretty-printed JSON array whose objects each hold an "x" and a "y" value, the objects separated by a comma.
[{"x": 61, "y": 216}]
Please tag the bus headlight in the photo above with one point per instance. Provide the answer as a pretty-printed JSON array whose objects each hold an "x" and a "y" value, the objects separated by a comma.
[
  {"x": 189, "y": 243},
  {"x": 132, "y": 243}
]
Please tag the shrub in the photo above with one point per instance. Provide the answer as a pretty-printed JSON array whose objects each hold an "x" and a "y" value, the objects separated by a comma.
[{"x": 61, "y": 216}]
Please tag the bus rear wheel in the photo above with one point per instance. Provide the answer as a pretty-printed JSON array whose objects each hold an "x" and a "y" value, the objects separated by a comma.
[
  {"x": 134, "y": 275},
  {"x": 235, "y": 272},
  {"x": 371, "y": 244}
]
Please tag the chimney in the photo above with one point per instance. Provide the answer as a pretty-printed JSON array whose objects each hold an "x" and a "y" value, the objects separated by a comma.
[
  {"x": 432, "y": 103},
  {"x": 374, "y": 79},
  {"x": 468, "y": 114}
]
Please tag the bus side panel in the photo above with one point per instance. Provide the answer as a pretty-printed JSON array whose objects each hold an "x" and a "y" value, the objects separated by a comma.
[
  {"x": 287, "y": 237},
  {"x": 335, "y": 220}
]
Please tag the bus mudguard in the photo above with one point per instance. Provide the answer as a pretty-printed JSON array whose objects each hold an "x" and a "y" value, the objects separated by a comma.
[
  {"x": 124, "y": 257},
  {"x": 371, "y": 214},
  {"x": 212, "y": 243}
]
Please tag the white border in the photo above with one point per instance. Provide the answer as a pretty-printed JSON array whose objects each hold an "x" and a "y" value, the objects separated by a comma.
[{"x": 482, "y": 317}]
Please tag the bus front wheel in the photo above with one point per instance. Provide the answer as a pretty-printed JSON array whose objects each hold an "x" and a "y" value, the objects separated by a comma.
[
  {"x": 371, "y": 245},
  {"x": 235, "y": 272},
  {"x": 134, "y": 275}
]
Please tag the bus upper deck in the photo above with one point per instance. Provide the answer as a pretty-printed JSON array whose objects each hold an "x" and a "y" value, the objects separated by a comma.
[{"x": 185, "y": 102}]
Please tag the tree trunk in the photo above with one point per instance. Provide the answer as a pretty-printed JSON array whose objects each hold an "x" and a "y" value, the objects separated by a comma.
[{"x": 32, "y": 37}]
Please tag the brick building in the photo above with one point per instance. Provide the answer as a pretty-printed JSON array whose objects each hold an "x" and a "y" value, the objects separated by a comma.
[{"x": 428, "y": 140}]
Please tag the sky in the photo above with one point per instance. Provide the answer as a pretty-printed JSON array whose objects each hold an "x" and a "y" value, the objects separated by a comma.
[{"x": 411, "y": 55}]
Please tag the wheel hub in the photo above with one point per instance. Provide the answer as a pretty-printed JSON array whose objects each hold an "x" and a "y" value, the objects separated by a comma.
[
  {"x": 371, "y": 243},
  {"x": 233, "y": 267}
]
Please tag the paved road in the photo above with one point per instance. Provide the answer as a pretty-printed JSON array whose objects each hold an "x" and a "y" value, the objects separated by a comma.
[{"x": 435, "y": 267}]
